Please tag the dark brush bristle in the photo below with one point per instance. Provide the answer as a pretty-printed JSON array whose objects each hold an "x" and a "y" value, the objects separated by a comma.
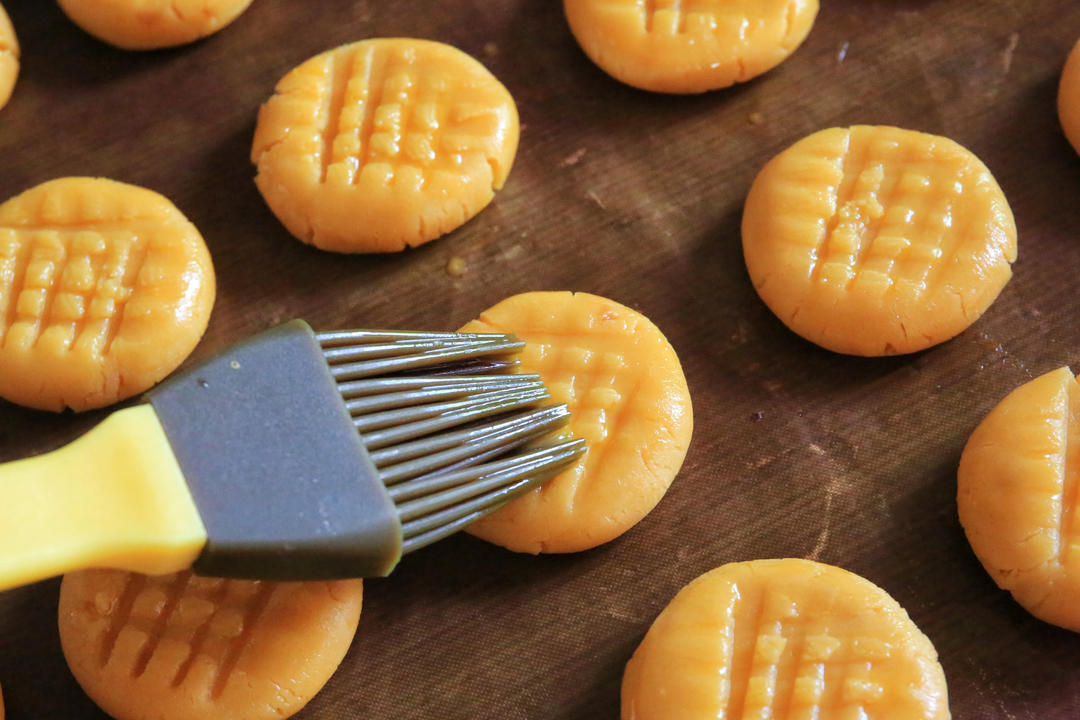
[
  {"x": 471, "y": 445},
  {"x": 487, "y": 489},
  {"x": 382, "y": 393},
  {"x": 451, "y": 431},
  {"x": 357, "y": 354}
]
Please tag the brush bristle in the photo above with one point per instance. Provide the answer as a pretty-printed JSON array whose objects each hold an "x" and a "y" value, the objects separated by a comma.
[
  {"x": 454, "y": 499},
  {"x": 355, "y": 354},
  {"x": 452, "y": 431}
]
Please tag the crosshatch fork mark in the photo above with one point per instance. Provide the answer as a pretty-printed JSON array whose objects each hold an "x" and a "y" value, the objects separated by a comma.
[
  {"x": 853, "y": 162},
  {"x": 138, "y": 225},
  {"x": 337, "y": 73},
  {"x": 15, "y": 288},
  {"x": 744, "y": 662},
  {"x": 120, "y": 615},
  {"x": 843, "y": 193},
  {"x": 365, "y": 113},
  {"x": 163, "y": 621},
  {"x": 680, "y": 16},
  {"x": 132, "y": 269},
  {"x": 202, "y": 634},
  {"x": 57, "y": 265},
  {"x": 1070, "y": 490},
  {"x": 559, "y": 362},
  {"x": 833, "y": 695},
  {"x": 949, "y": 243},
  {"x": 680, "y": 11},
  {"x": 796, "y": 649},
  {"x": 378, "y": 71},
  {"x": 624, "y": 410},
  {"x": 342, "y": 72},
  {"x": 929, "y": 203},
  {"x": 786, "y": 669},
  {"x": 256, "y": 606},
  {"x": 888, "y": 193},
  {"x": 584, "y": 380},
  {"x": 683, "y": 11},
  {"x": 935, "y": 235},
  {"x": 650, "y": 14},
  {"x": 125, "y": 260},
  {"x": 174, "y": 591},
  {"x": 789, "y": 21}
]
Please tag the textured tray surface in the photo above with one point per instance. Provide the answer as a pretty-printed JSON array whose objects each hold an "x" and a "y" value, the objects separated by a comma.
[{"x": 637, "y": 197}]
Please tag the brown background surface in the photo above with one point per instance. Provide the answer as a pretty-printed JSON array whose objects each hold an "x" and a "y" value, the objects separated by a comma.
[{"x": 797, "y": 451}]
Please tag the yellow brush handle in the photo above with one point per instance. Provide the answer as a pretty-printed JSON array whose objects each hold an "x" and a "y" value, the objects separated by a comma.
[{"x": 113, "y": 498}]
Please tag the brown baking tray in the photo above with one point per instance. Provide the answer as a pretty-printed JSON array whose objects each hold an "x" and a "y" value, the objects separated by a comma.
[{"x": 797, "y": 452}]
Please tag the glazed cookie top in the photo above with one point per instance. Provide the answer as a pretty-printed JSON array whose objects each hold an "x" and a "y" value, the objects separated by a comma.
[
  {"x": 383, "y": 144},
  {"x": 628, "y": 399},
  {"x": 9, "y": 58},
  {"x": 183, "y": 647},
  {"x": 784, "y": 639},
  {"x": 105, "y": 288},
  {"x": 877, "y": 240},
  {"x": 1018, "y": 492},
  {"x": 1069, "y": 98},
  {"x": 689, "y": 46},
  {"x": 149, "y": 24}
]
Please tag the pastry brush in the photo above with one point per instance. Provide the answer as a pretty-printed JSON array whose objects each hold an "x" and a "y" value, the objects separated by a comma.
[{"x": 294, "y": 455}]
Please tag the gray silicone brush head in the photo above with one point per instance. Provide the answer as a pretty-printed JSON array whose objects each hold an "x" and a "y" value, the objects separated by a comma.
[
  {"x": 289, "y": 441},
  {"x": 277, "y": 470}
]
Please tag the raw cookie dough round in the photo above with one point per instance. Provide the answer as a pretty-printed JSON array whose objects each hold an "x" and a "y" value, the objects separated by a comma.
[
  {"x": 383, "y": 144},
  {"x": 628, "y": 399},
  {"x": 105, "y": 288},
  {"x": 9, "y": 58},
  {"x": 784, "y": 639},
  {"x": 1069, "y": 98},
  {"x": 150, "y": 24},
  {"x": 688, "y": 47},
  {"x": 876, "y": 240},
  {"x": 182, "y": 647},
  {"x": 1018, "y": 493}
]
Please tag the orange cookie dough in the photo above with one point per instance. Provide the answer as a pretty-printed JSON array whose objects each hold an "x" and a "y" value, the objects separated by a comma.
[
  {"x": 1018, "y": 494},
  {"x": 150, "y": 24},
  {"x": 181, "y": 647},
  {"x": 9, "y": 58},
  {"x": 689, "y": 46},
  {"x": 876, "y": 240},
  {"x": 1069, "y": 98},
  {"x": 383, "y": 144},
  {"x": 105, "y": 288},
  {"x": 788, "y": 640},
  {"x": 628, "y": 399}
]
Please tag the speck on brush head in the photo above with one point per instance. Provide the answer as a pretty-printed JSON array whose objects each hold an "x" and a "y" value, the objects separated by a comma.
[{"x": 289, "y": 442}]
